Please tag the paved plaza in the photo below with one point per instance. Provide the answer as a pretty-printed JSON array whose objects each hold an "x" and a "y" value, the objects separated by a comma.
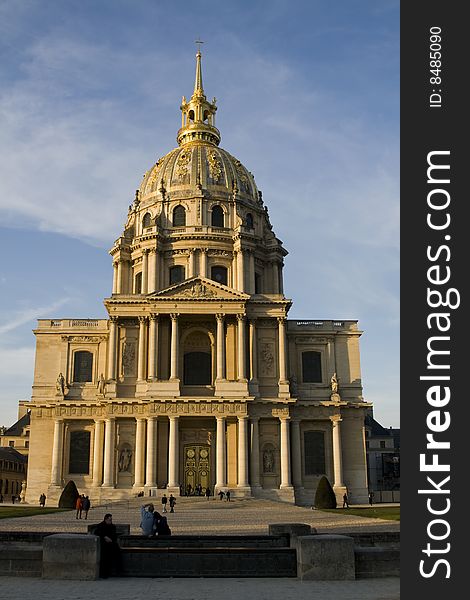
[{"x": 209, "y": 517}]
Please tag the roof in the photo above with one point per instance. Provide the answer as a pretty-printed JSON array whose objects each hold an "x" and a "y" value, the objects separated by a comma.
[
  {"x": 9, "y": 453},
  {"x": 17, "y": 428}
]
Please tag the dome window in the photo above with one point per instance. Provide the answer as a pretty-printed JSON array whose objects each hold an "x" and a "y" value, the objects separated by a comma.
[
  {"x": 249, "y": 221},
  {"x": 147, "y": 220},
  {"x": 217, "y": 219},
  {"x": 191, "y": 116},
  {"x": 176, "y": 274},
  {"x": 179, "y": 216},
  {"x": 219, "y": 274}
]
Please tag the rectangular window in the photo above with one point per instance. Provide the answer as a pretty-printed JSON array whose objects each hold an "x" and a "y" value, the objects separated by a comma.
[
  {"x": 79, "y": 457},
  {"x": 314, "y": 452},
  {"x": 11, "y": 443},
  {"x": 311, "y": 367}
]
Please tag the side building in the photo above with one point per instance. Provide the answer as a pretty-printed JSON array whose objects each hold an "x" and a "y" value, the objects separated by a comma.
[{"x": 197, "y": 377}]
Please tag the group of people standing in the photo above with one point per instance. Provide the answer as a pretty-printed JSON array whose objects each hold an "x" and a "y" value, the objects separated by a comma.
[
  {"x": 82, "y": 505},
  {"x": 171, "y": 501}
]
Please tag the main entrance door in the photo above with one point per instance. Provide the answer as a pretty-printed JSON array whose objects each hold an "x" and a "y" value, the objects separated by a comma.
[{"x": 196, "y": 467}]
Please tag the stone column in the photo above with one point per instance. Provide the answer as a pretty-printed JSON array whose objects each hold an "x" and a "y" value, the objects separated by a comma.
[
  {"x": 145, "y": 271},
  {"x": 281, "y": 279},
  {"x": 191, "y": 257},
  {"x": 282, "y": 350},
  {"x": 253, "y": 353},
  {"x": 57, "y": 451},
  {"x": 220, "y": 346},
  {"x": 174, "y": 347},
  {"x": 139, "y": 452},
  {"x": 285, "y": 454},
  {"x": 141, "y": 359},
  {"x": 119, "y": 282},
  {"x": 112, "y": 346},
  {"x": 151, "y": 472},
  {"x": 241, "y": 348},
  {"x": 241, "y": 270},
  {"x": 152, "y": 271},
  {"x": 98, "y": 453},
  {"x": 234, "y": 270},
  {"x": 251, "y": 273},
  {"x": 337, "y": 453},
  {"x": 161, "y": 263},
  {"x": 153, "y": 347},
  {"x": 275, "y": 278},
  {"x": 109, "y": 454},
  {"x": 254, "y": 455},
  {"x": 296, "y": 454},
  {"x": 243, "y": 452},
  {"x": 221, "y": 455},
  {"x": 203, "y": 262},
  {"x": 115, "y": 276},
  {"x": 173, "y": 453}
]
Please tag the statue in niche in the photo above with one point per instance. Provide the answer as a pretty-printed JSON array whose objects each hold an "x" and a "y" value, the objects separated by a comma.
[
  {"x": 60, "y": 384},
  {"x": 268, "y": 460},
  {"x": 293, "y": 385},
  {"x": 101, "y": 385},
  {"x": 334, "y": 383},
  {"x": 125, "y": 457}
]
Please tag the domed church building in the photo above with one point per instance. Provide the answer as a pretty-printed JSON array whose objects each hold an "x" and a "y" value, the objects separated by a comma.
[{"x": 197, "y": 378}]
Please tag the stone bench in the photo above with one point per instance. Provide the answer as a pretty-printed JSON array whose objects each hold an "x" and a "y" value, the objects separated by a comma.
[
  {"x": 71, "y": 556},
  {"x": 121, "y": 529},
  {"x": 325, "y": 557}
]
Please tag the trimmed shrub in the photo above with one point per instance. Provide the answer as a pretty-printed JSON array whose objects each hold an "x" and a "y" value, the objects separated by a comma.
[
  {"x": 69, "y": 496},
  {"x": 325, "y": 496}
]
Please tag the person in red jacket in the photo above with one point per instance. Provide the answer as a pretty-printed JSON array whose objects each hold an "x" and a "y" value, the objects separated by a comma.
[{"x": 79, "y": 507}]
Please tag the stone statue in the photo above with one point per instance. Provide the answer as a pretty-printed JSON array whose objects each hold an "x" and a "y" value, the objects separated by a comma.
[
  {"x": 60, "y": 384},
  {"x": 23, "y": 492},
  {"x": 268, "y": 461},
  {"x": 125, "y": 459},
  {"x": 334, "y": 383},
  {"x": 293, "y": 385},
  {"x": 101, "y": 385}
]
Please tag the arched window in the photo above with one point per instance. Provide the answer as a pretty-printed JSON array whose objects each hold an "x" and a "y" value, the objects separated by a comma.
[
  {"x": 217, "y": 216},
  {"x": 311, "y": 367},
  {"x": 147, "y": 220},
  {"x": 191, "y": 115},
  {"x": 197, "y": 368},
  {"x": 176, "y": 274},
  {"x": 219, "y": 274},
  {"x": 82, "y": 366},
  {"x": 179, "y": 216},
  {"x": 249, "y": 221},
  {"x": 138, "y": 283},
  {"x": 314, "y": 453}
]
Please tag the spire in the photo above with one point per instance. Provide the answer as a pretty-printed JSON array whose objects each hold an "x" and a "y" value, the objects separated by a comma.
[
  {"x": 198, "y": 115},
  {"x": 198, "y": 89}
]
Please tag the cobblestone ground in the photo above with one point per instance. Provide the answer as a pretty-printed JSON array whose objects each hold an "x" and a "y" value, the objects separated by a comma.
[{"x": 199, "y": 516}]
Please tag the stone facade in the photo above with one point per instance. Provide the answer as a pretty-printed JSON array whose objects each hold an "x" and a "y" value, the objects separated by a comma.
[{"x": 197, "y": 377}]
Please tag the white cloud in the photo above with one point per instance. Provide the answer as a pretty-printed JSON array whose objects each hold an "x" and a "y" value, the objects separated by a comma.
[{"x": 19, "y": 318}]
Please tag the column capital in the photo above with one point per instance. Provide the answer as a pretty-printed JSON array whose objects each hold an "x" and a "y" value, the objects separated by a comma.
[
  {"x": 110, "y": 418},
  {"x": 243, "y": 417},
  {"x": 140, "y": 418},
  {"x": 336, "y": 420},
  {"x": 173, "y": 417},
  {"x": 254, "y": 419},
  {"x": 145, "y": 251},
  {"x": 241, "y": 317},
  {"x": 174, "y": 316},
  {"x": 142, "y": 319},
  {"x": 154, "y": 316},
  {"x": 281, "y": 320},
  {"x": 153, "y": 250},
  {"x": 113, "y": 319},
  {"x": 220, "y": 316},
  {"x": 252, "y": 320},
  {"x": 220, "y": 417}
]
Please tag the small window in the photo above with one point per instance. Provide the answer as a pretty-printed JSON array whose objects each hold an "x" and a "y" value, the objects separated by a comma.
[
  {"x": 26, "y": 444},
  {"x": 249, "y": 221},
  {"x": 197, "y": 368},
  {"x": 176, "y": 274},
  {"x": 217, "y": 216},
  {"x": 258, "y": 289},
  {"x": 314, "y": 446},
  {"x": 219, "y": 274},
  {"x": 179, "y": 216},
  {"x": 11, "y": 443},
  {"x": 138, "y": 283},
  {"x": 83, "y": 367},
  {"x": 382, "y": 444},
  {"x": 147, "y": 220},
  {"x": 311, "y": 367}
]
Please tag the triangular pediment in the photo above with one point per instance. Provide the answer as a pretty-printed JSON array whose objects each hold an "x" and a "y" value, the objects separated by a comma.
[{"x": 199, "y": 288}]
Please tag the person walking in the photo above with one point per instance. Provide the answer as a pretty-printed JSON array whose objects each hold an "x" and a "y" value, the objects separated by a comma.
[
  {"x": 86, "y": 504},
  {"x": 208, "y": 492},
  {"x": 345, "y": 501},
  {"x": 371, "y": 497},
  {"x": 164, "y": 503},
  {"x": 79, "y": 507},
  {"x": 227, "y": 495},
  {"x": 221, "y": 495},
  {"x": 172, "y": 502}
]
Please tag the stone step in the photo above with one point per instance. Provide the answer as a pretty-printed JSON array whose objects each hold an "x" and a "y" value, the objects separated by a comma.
[
  {"x": 372, "y": 562},
  {"x": 20, "y": 560},
  {"x": 208, "y": 562},
  {"x": 207, "y": 541}
]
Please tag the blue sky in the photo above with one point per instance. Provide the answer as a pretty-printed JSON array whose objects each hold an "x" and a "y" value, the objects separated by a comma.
[{"x": 308, "y": 97}]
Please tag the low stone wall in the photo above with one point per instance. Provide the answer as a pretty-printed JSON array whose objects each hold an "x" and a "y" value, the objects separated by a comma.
[{"x": 71, "y": 556}]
